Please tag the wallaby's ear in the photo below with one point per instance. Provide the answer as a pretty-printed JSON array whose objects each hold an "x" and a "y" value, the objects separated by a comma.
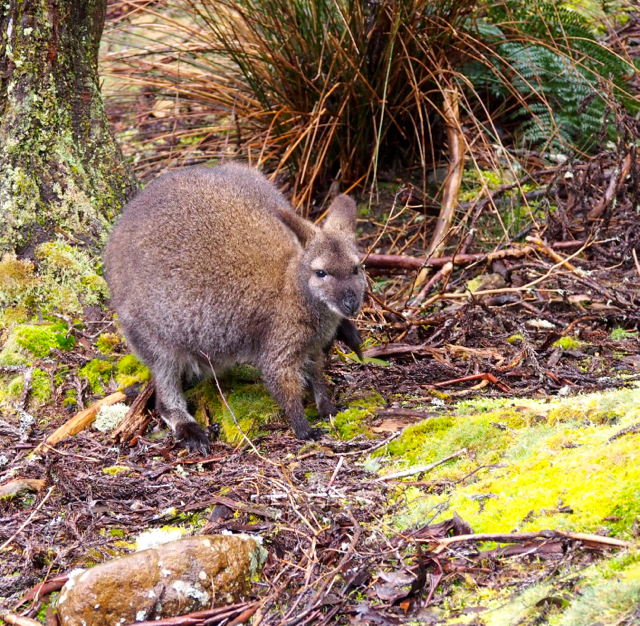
[
  {"x": 304, "y": 230},
  {"x": 342, "y": 215}
]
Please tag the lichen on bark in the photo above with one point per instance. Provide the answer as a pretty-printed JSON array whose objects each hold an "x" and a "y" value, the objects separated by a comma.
[{"x": 61, "y": 171}]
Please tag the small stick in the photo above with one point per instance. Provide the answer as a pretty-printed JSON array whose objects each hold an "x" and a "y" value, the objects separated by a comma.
[
  {"x": 18, "y": 620},
  {"x": 421, "y": 468},
  {"x": 522, "y": 537},
  {"x": 26, "y": 387},
  {"x": 548, "y": 251},
  {"x": 367, "y": 450},
  {"x": 635, "y": 258},
  {"x": 8, "y": 541},
  {"x": 486, "y": 376},
  {"x": 335, "y": 472},
  {"x": 79, "y": 421}
]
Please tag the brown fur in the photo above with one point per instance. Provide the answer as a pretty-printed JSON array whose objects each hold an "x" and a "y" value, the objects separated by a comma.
[{"x": 214, "y": 261}]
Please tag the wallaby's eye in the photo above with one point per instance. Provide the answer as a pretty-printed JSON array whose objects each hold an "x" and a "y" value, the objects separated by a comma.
[
  {"x": 320, "y": 273},
  {"x": 357, "y": 268}
]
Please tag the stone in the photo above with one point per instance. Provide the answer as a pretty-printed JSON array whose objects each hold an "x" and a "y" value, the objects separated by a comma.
[
  {"x": 172, "y": 579},
  {"x": 19, "y": 487}
]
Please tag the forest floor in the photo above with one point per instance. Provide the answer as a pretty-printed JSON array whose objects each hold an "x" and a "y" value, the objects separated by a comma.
[{"x": 500, "y": 409}]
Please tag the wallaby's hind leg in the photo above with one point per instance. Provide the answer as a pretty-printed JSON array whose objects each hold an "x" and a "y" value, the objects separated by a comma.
[
  {"x": 172, "y": 406},
  {"x": 315, "y": 378},
  {"x": 285, "y": 385}
]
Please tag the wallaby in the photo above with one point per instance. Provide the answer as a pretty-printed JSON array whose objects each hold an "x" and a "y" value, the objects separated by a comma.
[{"x": 213, "y": 265}]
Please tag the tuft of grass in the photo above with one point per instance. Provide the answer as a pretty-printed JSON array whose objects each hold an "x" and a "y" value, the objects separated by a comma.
[{"x": 338, "y": 90}]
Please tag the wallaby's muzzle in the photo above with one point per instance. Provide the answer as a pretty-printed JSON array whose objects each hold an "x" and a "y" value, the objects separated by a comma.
[{"x": 351, "y": 303}]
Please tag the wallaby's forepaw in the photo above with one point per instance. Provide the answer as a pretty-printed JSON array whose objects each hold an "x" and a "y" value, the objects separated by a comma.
[
  {"x": 312, "y": 434},
  {"x": 192, "y": 437},
  {"x": 326, "y": 409}
]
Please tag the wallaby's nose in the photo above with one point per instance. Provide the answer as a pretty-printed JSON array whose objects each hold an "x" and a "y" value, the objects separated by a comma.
[{"x": 350, "y": 302}]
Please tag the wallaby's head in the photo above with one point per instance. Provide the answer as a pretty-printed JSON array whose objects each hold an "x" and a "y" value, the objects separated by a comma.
[{"x": 330, "y": 270}]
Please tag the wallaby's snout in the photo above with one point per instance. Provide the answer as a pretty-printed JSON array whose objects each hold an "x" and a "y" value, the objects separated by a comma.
[{"x": 351, "y": 303}]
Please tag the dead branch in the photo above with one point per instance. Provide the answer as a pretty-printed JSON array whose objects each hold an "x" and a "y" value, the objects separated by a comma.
[
  {"x": 135, "y": 417},
  {"x": 611, "y": 191},
  {"x": 455, "y": 138},
  {"x": 421, "y": 468},
  {"x": 79, "y": 421},
  {"x": 394, "y": 262}
]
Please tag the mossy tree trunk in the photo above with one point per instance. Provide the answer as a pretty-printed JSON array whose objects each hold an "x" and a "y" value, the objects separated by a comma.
[{"x": 61, "y": 171}]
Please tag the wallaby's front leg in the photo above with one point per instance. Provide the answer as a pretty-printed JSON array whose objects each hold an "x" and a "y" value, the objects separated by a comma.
[
  {"x": 285, "y": 385},
  {"x": 172, "y": 406},
  {"x": 318, "y": 384}
]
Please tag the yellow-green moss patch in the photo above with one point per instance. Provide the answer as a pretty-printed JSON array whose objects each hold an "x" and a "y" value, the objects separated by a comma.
[
  {"x": 28, "y": 341},
  {"x": 129, "y": 371},
  {"x": 353, "y": 420},
  {"x": 541, "y": 470},
  {"x": 108, "y": 342}
]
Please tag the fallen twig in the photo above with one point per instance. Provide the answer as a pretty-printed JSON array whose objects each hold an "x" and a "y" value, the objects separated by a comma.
[
  {"x": 523, "y": 537},
  {"x": 421, "y": 468},
  {"x": 18, "y": 620},
  {"x": 28, "y": 521},
  {"x": 486, "y": 376},
  {"x": 80, "y": 421},
  {"x": 371, "y": 449},
  {"x": 612, "y": 189}
]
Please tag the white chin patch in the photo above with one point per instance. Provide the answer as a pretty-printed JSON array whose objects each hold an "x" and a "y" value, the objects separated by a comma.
[{"x": 335, "y": 309}]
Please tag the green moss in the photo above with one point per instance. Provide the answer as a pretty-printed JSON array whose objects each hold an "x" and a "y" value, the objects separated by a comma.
[
  {"x": 27, "y": 341},
  {"x": 250, "y": 402},
  {"x": 542, "y": 454},
  {"x": 568, "y": 343},
  {"x": 353, "y": 420},
  {"x": 130, "y": 371},
  {"x": 107, "y": 343},
  {"x": 515, "y": 338},
  {"x": 39, "y": 394},
  {"x": 70, "y": 398},
  {"x": 40, "y": 387},
  {"x": 620, "y": 334},
  {"x": 97, "y": 373}
]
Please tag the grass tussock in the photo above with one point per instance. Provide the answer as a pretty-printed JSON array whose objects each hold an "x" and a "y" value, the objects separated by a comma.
[{"x": 351, "y": 90}]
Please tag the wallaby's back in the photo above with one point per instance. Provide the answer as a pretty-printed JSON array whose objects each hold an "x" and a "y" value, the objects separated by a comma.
[{"x": 163, "y": 258}]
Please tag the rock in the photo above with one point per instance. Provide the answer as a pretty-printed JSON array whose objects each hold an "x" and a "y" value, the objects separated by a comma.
[
  {"x": 172, "y": 579},
  {"x": 20, "y": 486}
]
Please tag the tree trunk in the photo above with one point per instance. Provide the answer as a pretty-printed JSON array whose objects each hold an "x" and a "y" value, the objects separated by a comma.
[{"x": 61, "y": 170}]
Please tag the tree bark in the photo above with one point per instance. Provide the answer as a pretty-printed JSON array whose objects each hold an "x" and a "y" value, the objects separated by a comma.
[{"x": 61, "y": 170}]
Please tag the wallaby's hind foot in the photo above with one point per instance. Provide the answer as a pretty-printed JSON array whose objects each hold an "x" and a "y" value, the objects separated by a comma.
[{"x": 192, "y": 436}]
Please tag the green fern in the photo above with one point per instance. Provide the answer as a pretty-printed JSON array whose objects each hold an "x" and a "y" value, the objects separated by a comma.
[{"x": 549, "y": 56}]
